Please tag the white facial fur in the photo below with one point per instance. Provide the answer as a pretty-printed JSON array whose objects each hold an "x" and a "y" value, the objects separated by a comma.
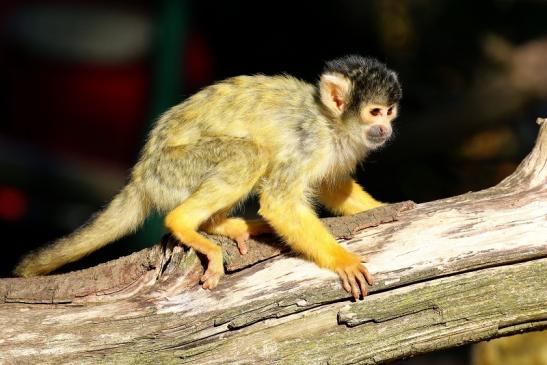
[{"x": 377, "y": 119}]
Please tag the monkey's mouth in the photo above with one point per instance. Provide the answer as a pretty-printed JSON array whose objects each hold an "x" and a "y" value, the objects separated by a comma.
[
  {"x": 377, "y": 135},
  {"x": 373, "y": 143},
  {"x": 376, "y": 139}
]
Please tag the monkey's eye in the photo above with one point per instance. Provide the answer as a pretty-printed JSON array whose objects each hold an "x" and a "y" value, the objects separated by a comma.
[
  {"x": 375, "y": 112},
  {"x": 390, "y": 111}
]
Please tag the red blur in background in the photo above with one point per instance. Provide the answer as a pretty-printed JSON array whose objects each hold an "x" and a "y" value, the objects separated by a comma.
[{"x": 92, "y": 111}]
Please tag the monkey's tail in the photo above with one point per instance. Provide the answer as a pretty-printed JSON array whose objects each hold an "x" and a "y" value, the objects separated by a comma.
[{"x": 125, "y": 213}]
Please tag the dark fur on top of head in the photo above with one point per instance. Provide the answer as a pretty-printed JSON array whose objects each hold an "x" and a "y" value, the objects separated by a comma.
[{"x": 372, "y": 81}]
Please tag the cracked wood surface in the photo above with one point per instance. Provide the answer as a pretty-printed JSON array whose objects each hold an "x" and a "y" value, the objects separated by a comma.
[{"x": 448, "y": 272}]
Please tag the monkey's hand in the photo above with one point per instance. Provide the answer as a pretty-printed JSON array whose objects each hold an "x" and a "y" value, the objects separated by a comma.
[{"x": 353, "y": 273}]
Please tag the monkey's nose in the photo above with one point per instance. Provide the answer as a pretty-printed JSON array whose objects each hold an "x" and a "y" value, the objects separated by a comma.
[{"x": 378, "y": 132}]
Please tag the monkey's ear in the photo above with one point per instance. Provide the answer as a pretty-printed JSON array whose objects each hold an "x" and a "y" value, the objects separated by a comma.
[{"x": 335, "y": 92}]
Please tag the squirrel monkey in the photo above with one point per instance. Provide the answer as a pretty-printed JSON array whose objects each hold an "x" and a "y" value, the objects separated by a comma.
[{"x": 281, "y": 138}]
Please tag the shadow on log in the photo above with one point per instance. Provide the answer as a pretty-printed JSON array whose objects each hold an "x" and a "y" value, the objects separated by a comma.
[{"x": 448, "y": 272}]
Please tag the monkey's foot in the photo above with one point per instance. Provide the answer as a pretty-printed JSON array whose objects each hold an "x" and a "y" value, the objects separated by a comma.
[
  {"x": 212, "y": 275},
  {"x": 355, "y": 276},
  {"x": 239, "y": 230}
]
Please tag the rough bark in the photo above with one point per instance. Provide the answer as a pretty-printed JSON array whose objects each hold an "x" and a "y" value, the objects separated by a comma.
[{"x": 448, "y": 272}]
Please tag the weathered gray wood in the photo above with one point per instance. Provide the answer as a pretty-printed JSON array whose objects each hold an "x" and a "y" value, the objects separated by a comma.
[
  {"x": 128, "y": 275},
  {"x": 447, "y": 272}
]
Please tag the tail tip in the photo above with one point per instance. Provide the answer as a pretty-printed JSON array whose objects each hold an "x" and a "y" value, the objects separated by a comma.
[{"x": 24, "y": 269}]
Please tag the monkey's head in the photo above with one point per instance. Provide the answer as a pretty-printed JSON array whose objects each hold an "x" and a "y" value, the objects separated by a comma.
[{"x": 362, "y": 92}]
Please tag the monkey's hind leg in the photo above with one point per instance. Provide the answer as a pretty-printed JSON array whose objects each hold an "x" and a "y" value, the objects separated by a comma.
[
  {"x": 184, "y": 221},
  {"x": 238, "y": 229},
  {"x": 232, "y": 179}
]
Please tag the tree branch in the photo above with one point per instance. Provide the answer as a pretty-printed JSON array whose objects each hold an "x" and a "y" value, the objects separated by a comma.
[{"x": 448, "y": 272}]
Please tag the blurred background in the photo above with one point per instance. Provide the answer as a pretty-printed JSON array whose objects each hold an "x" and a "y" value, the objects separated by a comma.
[{"x": 81, "y": 83}]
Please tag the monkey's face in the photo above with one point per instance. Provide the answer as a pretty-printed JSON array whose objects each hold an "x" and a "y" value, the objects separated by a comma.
[
  {"x": 363, "y": 93},
  {"x": 376, "y": 120}
]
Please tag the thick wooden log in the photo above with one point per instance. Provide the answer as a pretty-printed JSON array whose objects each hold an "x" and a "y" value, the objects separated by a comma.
[{"x": 448, "y": 272}]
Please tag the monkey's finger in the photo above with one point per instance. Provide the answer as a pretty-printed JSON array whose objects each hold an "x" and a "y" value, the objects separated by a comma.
[
  {"x": 206, "y": 276},
  {"x": 368, "y": 277},
  {"x": 205, "y": 283},
  {"x": 354, "y": 285},
  {"x": 210, "y": 281},
  {"x": 362, "y": 282},
  {"x": 210, "y": 284},
  {"x": 242, "y": 243},
  {"x": 345, "y": 282}
]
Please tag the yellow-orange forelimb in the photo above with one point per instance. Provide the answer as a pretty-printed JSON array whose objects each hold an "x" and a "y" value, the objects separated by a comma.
[{"x": 346, "y": 197}]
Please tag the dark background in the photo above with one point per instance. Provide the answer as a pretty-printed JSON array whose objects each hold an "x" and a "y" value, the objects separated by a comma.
[{"x": 81, "y": 83}]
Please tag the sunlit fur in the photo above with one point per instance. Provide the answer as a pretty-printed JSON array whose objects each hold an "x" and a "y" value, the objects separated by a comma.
[{"x": 281, "y": 138}]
